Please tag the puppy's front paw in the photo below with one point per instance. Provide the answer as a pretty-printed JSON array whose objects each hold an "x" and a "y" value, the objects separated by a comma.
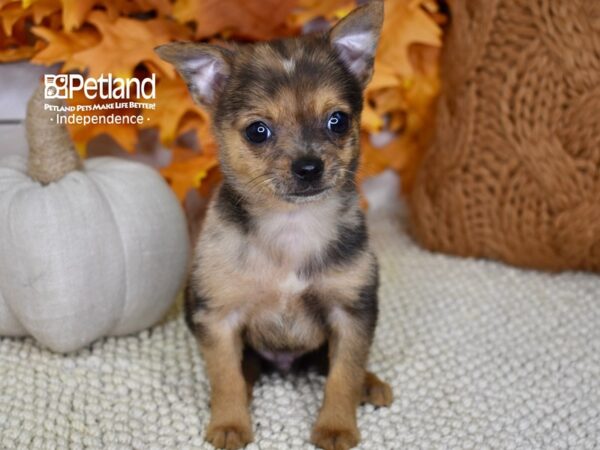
[
  {"x": 230, "y": 437},
  {"x": 331, "y": 438},
  {"x": 376, "y": 392}
]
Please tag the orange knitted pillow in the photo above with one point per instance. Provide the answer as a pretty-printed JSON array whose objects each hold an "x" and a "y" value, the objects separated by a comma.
[{"x": 513, "y": 172}]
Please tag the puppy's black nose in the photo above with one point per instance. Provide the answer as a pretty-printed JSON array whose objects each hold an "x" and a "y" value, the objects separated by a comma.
[{"x": 307, "y": 169}]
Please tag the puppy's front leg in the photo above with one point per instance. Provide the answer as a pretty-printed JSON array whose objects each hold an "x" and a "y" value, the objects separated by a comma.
[
  {"x": 230, "y": 425},
  {"x": 349, "y": 344}
]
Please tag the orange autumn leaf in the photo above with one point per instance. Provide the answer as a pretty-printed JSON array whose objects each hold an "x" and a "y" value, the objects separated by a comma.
[
  {"x": 76, "y": 12},
  {"x": 390, "y": 101},
  {"x": 252, "y": 19},
  {"x": 403, "y": 28},
  {"x": 16, "y": 53},
  {"x": 405, "y": 23},
  {"x": 37, "y": 10},
  {"x": 11, "y": 13},
  {"x": 328, "y": 9},
  {"x": 201, "y": 126},
  {"x": 162, "y": 7},
  {"x": 124, "y": 44},
  {"x": 164, "y": 30},
  {"x": 126, "y": 135},
  {"x": 182, "y": 154},
  {"x": 375, "y": 160},
  {"x": 18, "y": 44},
  {"x": 401, "y": 95},
  {"x": 384, "y": 77},
  {"x": 188, "y": 173},
  {"x": 64, "y": 46},
  {"x": 173, "y": 102}
]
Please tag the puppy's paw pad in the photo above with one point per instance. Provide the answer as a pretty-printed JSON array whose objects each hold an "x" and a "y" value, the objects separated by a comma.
[
  {"x": 328, "y": 438},
  {"x": 377, "y": 392},
  {"x": 230, "y": 437}
]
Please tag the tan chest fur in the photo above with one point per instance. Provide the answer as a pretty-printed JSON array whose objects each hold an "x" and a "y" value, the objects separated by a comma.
[{"x": 253, "y": 280}]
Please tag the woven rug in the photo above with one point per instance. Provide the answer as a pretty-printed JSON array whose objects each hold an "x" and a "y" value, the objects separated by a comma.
[{"x": 480, "y": 355}]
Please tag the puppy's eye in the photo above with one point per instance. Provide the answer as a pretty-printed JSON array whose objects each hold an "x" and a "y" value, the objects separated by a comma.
[
  {"x": 338, "y": 122},
  {"x": 258, "y": 132}
]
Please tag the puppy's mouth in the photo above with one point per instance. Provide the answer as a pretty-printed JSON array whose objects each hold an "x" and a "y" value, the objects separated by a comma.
[{"x": 310, "y": 193}]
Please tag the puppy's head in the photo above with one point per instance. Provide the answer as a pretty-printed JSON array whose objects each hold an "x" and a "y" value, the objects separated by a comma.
[{"x": 286, "y": 113}]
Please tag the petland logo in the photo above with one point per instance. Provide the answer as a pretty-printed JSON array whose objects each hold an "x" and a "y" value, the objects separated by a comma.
[
  {"x": 110, "y": 99},
  {"x": 105, "y": 87}
]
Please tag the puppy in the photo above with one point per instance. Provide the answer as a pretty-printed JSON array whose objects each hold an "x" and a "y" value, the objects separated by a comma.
[{"x": 282, "y": 265}]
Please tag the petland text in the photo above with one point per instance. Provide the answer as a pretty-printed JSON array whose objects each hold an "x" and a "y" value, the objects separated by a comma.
[{"x": 106, "y": 87}]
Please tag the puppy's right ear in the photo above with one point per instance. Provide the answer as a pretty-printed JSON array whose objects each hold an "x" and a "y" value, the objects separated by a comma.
[
  {"x": 355, "y": 39},
  {"x": 204, "y": 68}
]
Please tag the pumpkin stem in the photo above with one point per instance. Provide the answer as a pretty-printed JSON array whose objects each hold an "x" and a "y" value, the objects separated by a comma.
[{"x": 51, "y": 151}]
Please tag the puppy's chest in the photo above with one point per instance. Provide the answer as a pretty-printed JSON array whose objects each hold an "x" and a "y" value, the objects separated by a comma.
[
  {"x": 291, "y": 239},
  {"x": 277, "y": 254},
  {"x": 284, "y": 244}
]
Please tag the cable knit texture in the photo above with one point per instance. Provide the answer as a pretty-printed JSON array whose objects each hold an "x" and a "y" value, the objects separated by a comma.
[
  {"x": 513, "y": 172},
  {"x": 480, "y": 356}
]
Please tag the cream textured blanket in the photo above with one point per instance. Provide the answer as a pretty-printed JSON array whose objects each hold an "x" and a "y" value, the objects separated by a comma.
[{"x": 480, "y": 355}]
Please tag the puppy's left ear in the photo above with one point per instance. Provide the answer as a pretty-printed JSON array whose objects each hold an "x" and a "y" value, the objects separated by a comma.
[{"x": 355, "y": 39}]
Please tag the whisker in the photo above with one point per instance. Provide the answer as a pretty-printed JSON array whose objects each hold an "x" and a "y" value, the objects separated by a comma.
[{"x": 252, "y": 186}]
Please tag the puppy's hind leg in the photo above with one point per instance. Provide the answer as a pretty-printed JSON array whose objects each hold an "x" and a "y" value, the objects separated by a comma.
[{"x": 376, "y": 391}]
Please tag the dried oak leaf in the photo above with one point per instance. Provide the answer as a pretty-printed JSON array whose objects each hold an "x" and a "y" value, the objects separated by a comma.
[
  {"x": 250, "y": 19},
  {"x": 17, "y": 53},
  {"x": 173, "y": 102},
  {"x": 400, "y": 98},
  {"x": 187, "y": 170},
  {"x": 75, "y": 12},
  {"x": 176, "y": 114},
  {"x": 35, "y": 11},
  {"x": 10, "y": 14},
  {"x": 126, "y": 135},
  {"x": 308, "y": 10},
  {"x": 162, "y": 7},
  {"x": 40, "y": 9},
  {"x": 125, "y": 43},
  {"x": 63, "y": 46},
  {"x": 405, "y": 23}
]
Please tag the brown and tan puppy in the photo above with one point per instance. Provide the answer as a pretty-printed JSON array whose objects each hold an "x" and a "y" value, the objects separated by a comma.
[{"x": 282, "y": 265}]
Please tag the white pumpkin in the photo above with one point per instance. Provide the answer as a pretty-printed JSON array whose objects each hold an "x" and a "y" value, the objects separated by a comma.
[{"x": 86, "y": 250}]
